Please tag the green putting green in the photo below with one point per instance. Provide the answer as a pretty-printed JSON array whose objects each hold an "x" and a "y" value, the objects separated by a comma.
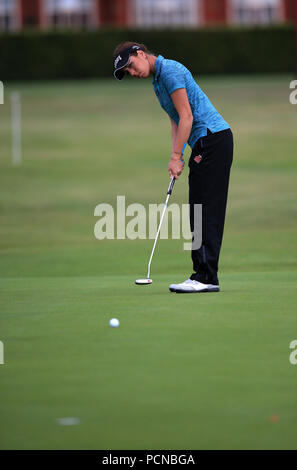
[{"x": 198, "y": 371}]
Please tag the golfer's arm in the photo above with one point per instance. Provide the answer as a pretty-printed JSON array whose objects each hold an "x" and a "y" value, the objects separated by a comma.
[
  {"x": 183, "y": 133},
  {"x": 182, "y": 105},
  {"x": 173, "y": 134}
]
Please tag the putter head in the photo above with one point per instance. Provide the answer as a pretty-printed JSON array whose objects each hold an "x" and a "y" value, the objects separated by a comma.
[{"x": 143, "y": 282}]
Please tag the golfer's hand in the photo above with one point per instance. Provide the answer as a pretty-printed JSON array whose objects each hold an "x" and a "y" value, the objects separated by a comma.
[{"x": 175, "y": 166}]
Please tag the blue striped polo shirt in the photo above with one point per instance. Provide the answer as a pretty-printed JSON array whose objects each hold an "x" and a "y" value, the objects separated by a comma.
[{"x": 171, "y": 75}]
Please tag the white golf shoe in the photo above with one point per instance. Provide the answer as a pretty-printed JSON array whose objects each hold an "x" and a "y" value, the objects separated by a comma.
[{"x": 191, "y": 287}]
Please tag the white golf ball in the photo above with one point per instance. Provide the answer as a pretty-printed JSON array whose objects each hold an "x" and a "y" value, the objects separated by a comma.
[{"x": 114, "y": 322}]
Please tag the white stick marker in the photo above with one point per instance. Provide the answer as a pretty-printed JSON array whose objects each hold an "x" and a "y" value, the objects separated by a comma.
[
  {"x": 1, "y": 353},
  {"x": 1, "y": 93},
  {"x": 16, "y": 133}
]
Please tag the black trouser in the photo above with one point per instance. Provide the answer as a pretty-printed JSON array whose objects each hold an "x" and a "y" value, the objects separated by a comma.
[{"x": 208, "y": 185}]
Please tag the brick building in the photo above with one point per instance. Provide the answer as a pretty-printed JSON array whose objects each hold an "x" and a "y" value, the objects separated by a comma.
[{"x": 88, "y": 14}]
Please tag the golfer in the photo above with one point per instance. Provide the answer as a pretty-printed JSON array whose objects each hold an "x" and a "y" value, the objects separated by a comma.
[{"x": 193, "y": 120}]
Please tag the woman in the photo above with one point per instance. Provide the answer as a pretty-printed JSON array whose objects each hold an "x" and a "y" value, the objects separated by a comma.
[{"x": 194, "y": 120}]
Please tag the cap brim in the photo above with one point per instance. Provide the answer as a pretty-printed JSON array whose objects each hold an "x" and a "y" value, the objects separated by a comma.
[{"x": 119, "y": 73}]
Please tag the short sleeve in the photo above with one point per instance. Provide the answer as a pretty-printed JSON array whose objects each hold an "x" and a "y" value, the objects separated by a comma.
[{"x": 174, "y": 78}]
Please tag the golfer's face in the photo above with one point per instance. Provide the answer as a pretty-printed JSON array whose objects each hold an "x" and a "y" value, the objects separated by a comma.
[{"x": 138, "y": 67}]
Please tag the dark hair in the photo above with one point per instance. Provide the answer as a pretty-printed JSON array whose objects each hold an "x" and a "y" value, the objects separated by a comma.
[{"x": 125, "y": 45}]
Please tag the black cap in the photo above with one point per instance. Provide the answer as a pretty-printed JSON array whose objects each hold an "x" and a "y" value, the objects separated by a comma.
[{"x": 122, "y": 60}]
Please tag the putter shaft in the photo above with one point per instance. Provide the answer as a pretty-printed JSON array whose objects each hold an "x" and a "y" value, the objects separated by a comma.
[
  {"x": 162, "y": 217},
  {"x": 170, "y": 187}
]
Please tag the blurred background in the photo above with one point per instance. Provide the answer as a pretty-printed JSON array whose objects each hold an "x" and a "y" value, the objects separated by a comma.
[
  {"x": 75, "y": 38},
  {"x": 184, "y": 372},
  {"x": 90, "y": 14}
]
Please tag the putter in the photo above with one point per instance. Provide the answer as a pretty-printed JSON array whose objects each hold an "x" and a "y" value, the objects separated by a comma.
[{"x": 147, "y": 281}]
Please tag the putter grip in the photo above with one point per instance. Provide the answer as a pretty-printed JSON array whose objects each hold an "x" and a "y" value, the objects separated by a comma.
[
  {"x": 171, "y": 185},
  {"x": 173, "y": 179}
]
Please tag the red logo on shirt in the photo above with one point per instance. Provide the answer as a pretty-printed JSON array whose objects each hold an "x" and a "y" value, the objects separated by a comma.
[{"x": 198, "y": 159}]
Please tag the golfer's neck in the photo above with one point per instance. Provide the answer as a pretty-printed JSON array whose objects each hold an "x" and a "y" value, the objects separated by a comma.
[{"x": 152, "y": 59}]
